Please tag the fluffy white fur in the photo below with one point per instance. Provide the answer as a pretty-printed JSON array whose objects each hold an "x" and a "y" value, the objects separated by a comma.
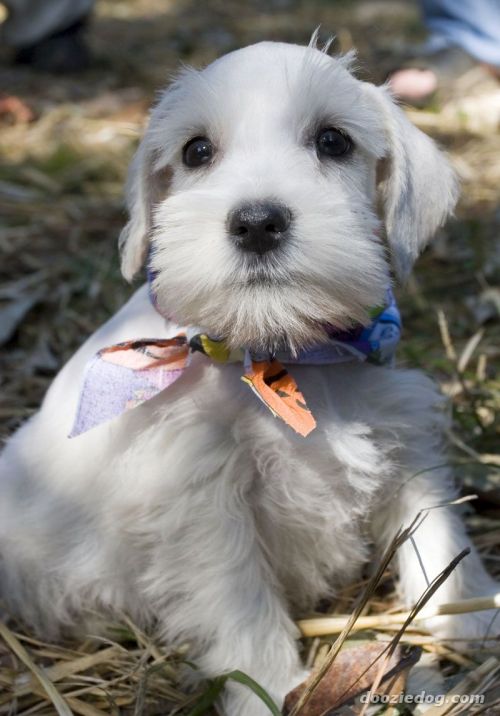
[{"x": 199, "y": 511}]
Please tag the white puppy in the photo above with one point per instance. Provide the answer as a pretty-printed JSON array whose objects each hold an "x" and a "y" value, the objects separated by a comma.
[{"x": 274, "y": 189}]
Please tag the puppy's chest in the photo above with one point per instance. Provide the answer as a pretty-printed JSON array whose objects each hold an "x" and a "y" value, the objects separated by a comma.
[
  {"x": 212, "y": 445},
  {"x": 224, "y": 417}
]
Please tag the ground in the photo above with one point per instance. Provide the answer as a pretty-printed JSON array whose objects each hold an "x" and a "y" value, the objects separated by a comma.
[{"x": 64, "y": 150}]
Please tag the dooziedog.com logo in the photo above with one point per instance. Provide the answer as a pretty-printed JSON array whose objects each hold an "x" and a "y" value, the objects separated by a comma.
[{"x": 422, "y": 698}]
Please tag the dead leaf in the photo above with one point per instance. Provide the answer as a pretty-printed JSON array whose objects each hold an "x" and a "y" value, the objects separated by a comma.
[{"x": 352, "y": 673}]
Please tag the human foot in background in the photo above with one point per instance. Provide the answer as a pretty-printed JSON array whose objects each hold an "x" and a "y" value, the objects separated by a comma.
[
  {"x": 436, "y": 74},
  {"x": 64, "y": 51}
]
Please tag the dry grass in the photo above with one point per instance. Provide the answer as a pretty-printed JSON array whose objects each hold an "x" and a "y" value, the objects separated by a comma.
[{"x": 61, "y": 178}]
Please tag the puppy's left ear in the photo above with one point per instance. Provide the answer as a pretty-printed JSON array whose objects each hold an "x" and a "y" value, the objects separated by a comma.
[
  {"x": 146, "y": 187},
  {"x": 418, "y": 187}
]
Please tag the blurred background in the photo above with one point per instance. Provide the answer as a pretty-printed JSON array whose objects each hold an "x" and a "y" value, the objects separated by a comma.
[
  {"x": 68, "y": 131},
  {"x": 73, "y": 102}
]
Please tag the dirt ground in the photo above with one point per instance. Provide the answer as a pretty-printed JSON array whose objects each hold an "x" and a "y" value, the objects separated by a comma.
[{"x": 62, "y": 169}]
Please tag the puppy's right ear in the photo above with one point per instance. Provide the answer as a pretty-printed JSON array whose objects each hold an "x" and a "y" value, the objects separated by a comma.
[
  {"x": 417, "y": 186},
  {"x": 146, "y": 186}
]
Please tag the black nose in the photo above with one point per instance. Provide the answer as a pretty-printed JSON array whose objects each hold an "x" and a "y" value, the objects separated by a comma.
[{"x": 259, "y": 227}]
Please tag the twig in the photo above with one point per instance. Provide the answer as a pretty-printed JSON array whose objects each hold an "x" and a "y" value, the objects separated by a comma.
[
  {"x": 323, "y": 626},
  {"x": 449, "y": 348},
  {"x": 468, "y": 351}
]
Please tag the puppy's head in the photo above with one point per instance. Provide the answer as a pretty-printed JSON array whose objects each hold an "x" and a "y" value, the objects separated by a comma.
[{"x": 265, "y": 189}]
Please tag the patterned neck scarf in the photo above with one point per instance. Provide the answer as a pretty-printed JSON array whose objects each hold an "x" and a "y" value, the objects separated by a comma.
[{"x": 125, "y": 375}]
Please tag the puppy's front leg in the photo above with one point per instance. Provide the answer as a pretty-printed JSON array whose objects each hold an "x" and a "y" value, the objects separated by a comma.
[
  {"x": 439, "y": 538},
  {"x": 213, "y": 586}
]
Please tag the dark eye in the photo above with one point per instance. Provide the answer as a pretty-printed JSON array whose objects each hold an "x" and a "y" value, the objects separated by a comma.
[
  {"x": 332, "y": 143},
  {"x": 197, "y": 151}
]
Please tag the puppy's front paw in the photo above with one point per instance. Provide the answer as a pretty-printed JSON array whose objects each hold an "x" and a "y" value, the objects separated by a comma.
[
  {"x": 463, "y": 630},
  {"x": 480, "y": 628}
]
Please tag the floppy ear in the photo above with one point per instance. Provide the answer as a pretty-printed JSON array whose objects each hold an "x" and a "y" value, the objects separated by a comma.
[
  {"x": 418, "y": 188},
  {"x": 146, "y": 186}
]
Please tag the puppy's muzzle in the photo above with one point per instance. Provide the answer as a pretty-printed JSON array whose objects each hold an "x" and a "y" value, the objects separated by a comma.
[{"x": 259, "y": 227}]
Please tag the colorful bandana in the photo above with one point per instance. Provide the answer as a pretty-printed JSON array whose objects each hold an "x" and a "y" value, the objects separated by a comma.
[{"x": 128, "y": 374}]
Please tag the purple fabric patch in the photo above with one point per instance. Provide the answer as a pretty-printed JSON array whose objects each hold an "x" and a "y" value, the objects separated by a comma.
[{"x": 109, "y": 390}]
